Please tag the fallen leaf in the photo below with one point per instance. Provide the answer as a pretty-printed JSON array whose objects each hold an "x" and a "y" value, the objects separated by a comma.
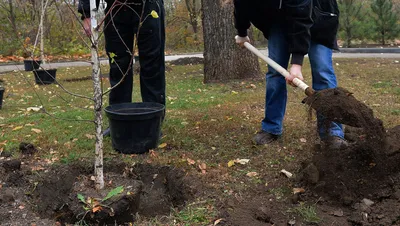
[
  {"x": 338, "y": 213},
  {"x": 298, "y": 190},
  {"x": 252, "y": 174},
  {"x": 203, "y": 168},
  {"x": 67, "y": 144},
  {"x": 243, "y": 161},
  {"x": 96, "y": 209},
  {"x": 152, "y": 153},
  {"x": 190, "y": 161},
  {"x": 163, "y": 145},
  {"x": 90, "y": 136},
  {"x": 287, "y": 173},
  {"x": 17, "y": 128},
  {"x": 36, "y": 130},
  {"x": 231, "y": 163},
  {"x": 218, "y": 221},
  {"x": 303, "y": 140},
  {"x": 37, "y": 168},
  {"x": 35, "y": 109}
]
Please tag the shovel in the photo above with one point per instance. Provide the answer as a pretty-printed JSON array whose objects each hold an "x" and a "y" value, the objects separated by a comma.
[{"x": 303, "y": 86}]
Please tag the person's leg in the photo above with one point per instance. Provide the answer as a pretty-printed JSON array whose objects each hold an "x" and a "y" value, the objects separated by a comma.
[
  {"x": 323, "y": 77},
  {"x": 276, "y": 92},
  {"x": 118, "y": 33},
  {"x": 151, "y": 42}
]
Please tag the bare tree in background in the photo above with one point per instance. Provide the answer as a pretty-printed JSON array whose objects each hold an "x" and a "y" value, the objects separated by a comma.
[
  {"x": 223, "y": 59},
  {"x": 194, "y": 9}
]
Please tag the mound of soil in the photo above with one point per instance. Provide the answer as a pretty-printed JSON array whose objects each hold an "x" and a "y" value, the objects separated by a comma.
[
  {"x": 187, "y": 61},
  {"x": 363, "y": 183},
  {"x": 50, "y": 196}
]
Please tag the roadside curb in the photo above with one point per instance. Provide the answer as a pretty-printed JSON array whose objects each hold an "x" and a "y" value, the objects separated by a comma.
[{"x": 369, "y": 50}]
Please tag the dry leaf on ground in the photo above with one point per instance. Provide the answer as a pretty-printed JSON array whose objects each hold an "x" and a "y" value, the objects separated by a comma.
[
  {"x": 298, "y": 190},
  {"x": 252, "y": 174},
  {"x": 203, "y": 168},
  {"x": 287, "y": 173},
  {"x": 190, "y": 161},
  {"x": 36, "y": 130}
]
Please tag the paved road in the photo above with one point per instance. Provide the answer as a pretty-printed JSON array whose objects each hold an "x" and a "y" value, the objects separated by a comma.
[{"x": 7, "y": 68}]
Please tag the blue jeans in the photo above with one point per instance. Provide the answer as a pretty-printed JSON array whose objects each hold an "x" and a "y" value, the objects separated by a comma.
[{"x": 323, "y": 77}]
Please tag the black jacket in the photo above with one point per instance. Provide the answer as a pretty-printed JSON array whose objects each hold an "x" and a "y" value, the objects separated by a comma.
[
  {"x": 326, "y": 22},
  {"x": 293, "y": 15},
  {"x": 84, "y": 8}
]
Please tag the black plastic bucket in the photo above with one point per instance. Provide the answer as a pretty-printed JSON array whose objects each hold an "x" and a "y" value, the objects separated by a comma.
[
  {"x": 1, "y": 96},
  {"x": 135, "y": 127},
  {"x": 31, "y": 65},
  {"x": 43, "y": 77}
]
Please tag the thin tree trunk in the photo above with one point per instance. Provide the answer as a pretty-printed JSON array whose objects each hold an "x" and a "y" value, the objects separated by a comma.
[
  {"x": 223, "y": 59},
  {"x": 98, "y": 105},
  {"x": 41, "y": 29}
]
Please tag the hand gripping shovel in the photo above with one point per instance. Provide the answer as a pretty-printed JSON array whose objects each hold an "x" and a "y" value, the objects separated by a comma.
[
  {"x": 307, "y": 90},
  {"x": 335, "y": 104}
]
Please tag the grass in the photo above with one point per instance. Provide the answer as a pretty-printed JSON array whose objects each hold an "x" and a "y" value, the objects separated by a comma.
[
  {"x": 208, "y": 123},
  {"x": 308, "y": 213}
]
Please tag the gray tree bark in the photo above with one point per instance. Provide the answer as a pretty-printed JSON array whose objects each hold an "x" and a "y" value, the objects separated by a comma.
[{"x": 223, "y": 59}]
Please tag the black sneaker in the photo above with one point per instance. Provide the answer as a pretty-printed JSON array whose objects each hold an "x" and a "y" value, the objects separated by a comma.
[
  {"x": 335, "y": 143},
  {"x": 263, "y": 137},
  {"x": 106, "y": 132}
]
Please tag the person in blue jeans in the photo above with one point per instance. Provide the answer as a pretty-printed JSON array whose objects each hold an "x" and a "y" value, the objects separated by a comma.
[{"x": 277, "y": 27}]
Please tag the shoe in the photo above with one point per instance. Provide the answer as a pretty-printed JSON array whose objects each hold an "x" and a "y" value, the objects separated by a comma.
[
  {"x": 263, "y": 137},
  {"x": 335, "y": 143},
  {"x": 106, "y": 132}
]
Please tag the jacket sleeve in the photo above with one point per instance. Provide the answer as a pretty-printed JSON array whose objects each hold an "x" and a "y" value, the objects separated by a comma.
[
  {"x": 242, "y": 19},
  {"x": 299, "y": 22},
  {"x": 84, "y": 8}
]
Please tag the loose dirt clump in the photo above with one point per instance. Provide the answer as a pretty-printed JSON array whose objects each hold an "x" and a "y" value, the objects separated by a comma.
[
  {"x": 339, "y": 105},
  {"x": 52, "y": 195}
]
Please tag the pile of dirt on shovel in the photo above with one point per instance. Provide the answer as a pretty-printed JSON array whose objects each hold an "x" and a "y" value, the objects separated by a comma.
[{"x": 339, "y": 105}]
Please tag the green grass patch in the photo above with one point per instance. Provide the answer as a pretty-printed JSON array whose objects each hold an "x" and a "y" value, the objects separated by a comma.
[{"x": 307, "y": 212}]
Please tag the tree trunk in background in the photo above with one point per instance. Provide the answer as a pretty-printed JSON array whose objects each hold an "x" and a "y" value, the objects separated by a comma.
[
  {"x": 223, "y": 59},
  {"x": 12, "y": 17},
  {"x": 194, "y": 9}
]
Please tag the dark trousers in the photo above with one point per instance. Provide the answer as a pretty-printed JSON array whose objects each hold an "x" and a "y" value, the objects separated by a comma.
[{"x": 121, "y": 26}]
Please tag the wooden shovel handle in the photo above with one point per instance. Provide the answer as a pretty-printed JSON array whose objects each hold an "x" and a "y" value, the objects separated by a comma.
[{"x": 308, "y": 90}]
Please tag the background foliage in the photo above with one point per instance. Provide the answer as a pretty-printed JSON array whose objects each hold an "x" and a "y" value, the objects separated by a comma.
[{"x": 361, "y": 22}]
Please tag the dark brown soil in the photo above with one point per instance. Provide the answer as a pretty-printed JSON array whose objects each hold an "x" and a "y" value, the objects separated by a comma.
[
  {"x": 347, "y": 187},
  {"x": 187, "y": 61},
  {"x": 49, "y": 196},
  {"x": 339, "y": 105}
]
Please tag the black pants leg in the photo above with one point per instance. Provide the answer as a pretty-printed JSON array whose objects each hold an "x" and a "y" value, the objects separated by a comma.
[
  {"x": 151, "y": 43},
  {"x": 119, "y": 36}
]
